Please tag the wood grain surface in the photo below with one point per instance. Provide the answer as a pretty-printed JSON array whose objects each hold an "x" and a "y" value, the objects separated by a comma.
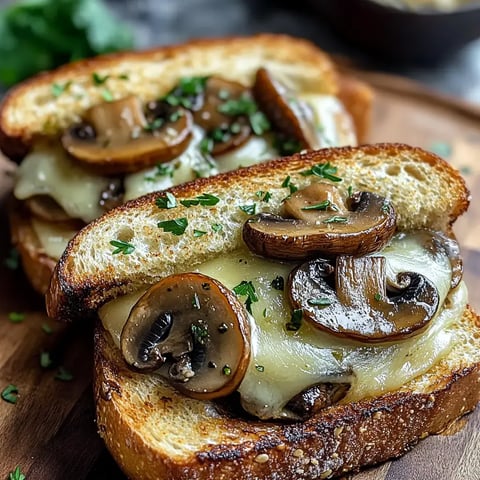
[{"x": 50, "y": 432}]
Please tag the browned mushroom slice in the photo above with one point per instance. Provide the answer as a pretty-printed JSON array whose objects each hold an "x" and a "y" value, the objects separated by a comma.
[
  {"x": 226, "y": 131},
  {"x": 290, "y": 115},
  {"x": 324, "y": 225},
  {"x": 196, "y": 329},
  {"x": 116, "y": 137},
  {"x": 46, "y": 208},
  {"x": 358, "y": 306}
]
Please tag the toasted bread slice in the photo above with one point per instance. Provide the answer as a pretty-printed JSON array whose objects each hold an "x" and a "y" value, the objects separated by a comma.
[
  {"x": 34, "y": 111},
  {"x": 154, "y": 432},
  {"x": 427, "y": 193}
]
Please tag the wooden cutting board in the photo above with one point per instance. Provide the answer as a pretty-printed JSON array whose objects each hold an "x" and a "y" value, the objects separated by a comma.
[{"x": 50, "y": 432}]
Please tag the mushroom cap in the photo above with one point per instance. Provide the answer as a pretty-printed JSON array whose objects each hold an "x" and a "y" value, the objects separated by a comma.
[
  {"x": 361, "y": 225},
  {"x": 119, "y": 139},
  {"x": 195, "y": 329}
]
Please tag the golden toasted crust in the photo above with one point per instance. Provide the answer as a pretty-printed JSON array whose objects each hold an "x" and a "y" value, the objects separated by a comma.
[
  {"x": 154, "y": 432},
  {"x": 426, "y": 192},
  {"x": 31, "y": 109}
]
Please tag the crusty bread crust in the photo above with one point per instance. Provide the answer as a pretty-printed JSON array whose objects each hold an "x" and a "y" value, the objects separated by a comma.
[
  {"x": 31, "y": 110},
  {"x": 426, "y": 191},
  {"x": 154, "y": 432}
]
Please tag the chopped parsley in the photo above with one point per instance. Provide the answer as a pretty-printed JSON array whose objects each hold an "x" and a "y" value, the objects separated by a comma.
[
  {"x": 13, "y": 259},
  {"x": 350, "y": 191},
  {"x": 107, "y": 95},
  {"x": 45, "y": 360},
  {"x": 46, "y": 328},
  {"x": 16, "y": 317},
  {"x": 226, "y": 370},
  {"x": 295, "y": 321},
  {"x": 199, "y": 233},
  {"x": 246, "y": 106},
  {"x": 58, "y": 88},
  {"x": 287, "y": 183},
  {"x": 249, "y": 209},
  {"x": 278, "y": 283},
  {"x": 186, "y": 91},
  {"x": 247, "y": 289},
  {"x": 319, "y": 302},
  {"x": 199, "y": 332},
  {"x": 63, "y": 375},
  {"x": 177, "y": 226},
  {"x": 259, "y": 368},
  {"x": 206, "y": 145},
  {"x": 99, "y": 79},
  {"x": 336, "y": 219},
  {"x": 16, "y": 474},
  {"x": 386, "y": 207},
  {"x": 319, "y": 206},
  {"x": 323, "y": 170},
  {"x": 10, "y": 394},
  {"x": 162, "y": 170},
  {"x": 264, "y": 196},
  {"x": 168, "y": 201},
  {"x": 122, "y": 247},
  {"x": 124, "y": 76},
  {"x": 154, "y": 125},
  {"x": 377, "y": 296},
  {"x": 286, "y": 146},
  {"x": 259, "y": 123},
  {"x": 205, "y": 200},
  {"x": 217, "y": 227}
]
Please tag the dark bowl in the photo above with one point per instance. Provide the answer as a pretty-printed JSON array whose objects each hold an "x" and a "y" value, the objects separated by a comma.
[{"x": 415, "y": 36}]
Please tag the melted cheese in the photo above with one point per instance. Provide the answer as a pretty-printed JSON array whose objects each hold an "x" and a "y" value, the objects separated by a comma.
[
  {"x": 52, "y": 236},
  {"x": 293, "y": 361}
]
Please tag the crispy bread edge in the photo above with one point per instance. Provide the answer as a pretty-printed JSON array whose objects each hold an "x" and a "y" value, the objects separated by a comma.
[{"x": 341, "y": 439}]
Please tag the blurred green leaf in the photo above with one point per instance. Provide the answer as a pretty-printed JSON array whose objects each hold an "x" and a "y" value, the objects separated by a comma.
[{"x": 43, "y": 34}]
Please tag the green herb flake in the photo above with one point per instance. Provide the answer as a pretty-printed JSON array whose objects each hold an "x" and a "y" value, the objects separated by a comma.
[
  {"x": 46, "y": 328},
  {"x": 205, "y": 200},
  {"x": 16, "y": 474},
  {"x": 318, "y": 206},
  {"x": 107, "y": 95},
  {"x": 99, "y": 79},
  {"x": 249, "y": 209},
  {"x": 295, "y": 320},
  {"x": 377, "y": 296},
  {"x": 63, "y": 375},
  {"x": 206, "y": 145},
  {"x": 124, "y": 76},
  {"x": 319, "y": 302},
  {"x": 199, "y": 233},
  {"x": 264, "y": 196},
  {"x": 217, "y": 227},
  {"x": 323, "y": 170},
  {"x": 259, "y": 123},
  {"x": 176, "y": 227},
  {"x": 164, "y": 170},
  {"x": 259, "y": 368},
  {"x": 16, "y": 317},
  {"x": 386, "y": 207},
  {"x": 10, "y": 394},
  {"x": 45, "y": 360},
  {"x": 154, "y": 125},
  {"x": 286, "y": 182},
  {"x": 278, "y": 283},
  {"x": 241, "y": 106},
  {"x": 199, "y": 333},
  {"x": 350, "y": 191},
  {"x": 192, "y": 85},
  {"x": 168, "y": 201},
  {"x": 58, "y": 88},
  {"x": 286, "y": 146},
  {"x": 336, "y": 219},
  {"x": 247, "y": 289},
  {"x": 226, "y": 370},
  {"x": 122, "y": 247},
  {"x": 223, "y": 94},
  {"x": 12, "y": 261},
  {"x": 264, "y": 313}
]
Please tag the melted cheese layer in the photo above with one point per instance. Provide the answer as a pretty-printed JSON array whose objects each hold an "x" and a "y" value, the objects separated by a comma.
[{"x": 284, "y": 363}]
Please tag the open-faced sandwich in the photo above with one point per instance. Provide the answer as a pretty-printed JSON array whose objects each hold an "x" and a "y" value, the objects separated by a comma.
[
  {"x": 298, "y": 319},
  {"x": 99, "y": 132}
]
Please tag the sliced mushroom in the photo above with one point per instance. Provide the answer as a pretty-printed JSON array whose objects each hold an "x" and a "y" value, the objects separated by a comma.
[
  {"x": 46, "y": 208},
  {"x": 315, "y": 398},
  {"x": 226, "y": 131},
  {"x": 116, "y": 137},
  {"x": 290, "y": 115},
  {"x": 358, "y": 305},
  {"x": 196, "y": 329},
  {"x": 323, "y": 225}
]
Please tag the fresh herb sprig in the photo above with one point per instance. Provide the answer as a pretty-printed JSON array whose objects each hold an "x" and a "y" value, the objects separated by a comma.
[
  {"x": 122, "y": 247},
  {"x": 247, "y": 289},
  {"x": 323, "y": 170}
]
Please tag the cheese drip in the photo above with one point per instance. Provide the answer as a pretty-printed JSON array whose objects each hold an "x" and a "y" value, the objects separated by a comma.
[{"x": 285, "y": 363}]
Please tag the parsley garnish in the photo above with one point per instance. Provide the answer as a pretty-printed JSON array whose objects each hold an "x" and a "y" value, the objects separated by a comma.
[
  {"x": 319, "y": 302},
  {"x": 123, "y": 76},
  {"x": 259, "y": 368},
  {"x": 350, "y": 191},
  {"x": 199, "y": 233},
  {"x": 10, "y": 394},
  {"x": 377, "y": 296},
  {"x": 63, "y": 375},
  {"x": 247, "y": 289},
  {"x": 184, "y": 93},
  {"x": 177, "y": 226},
  {"x": 107, "y": 95},
  {"x": 226, "y": 370},
  {"x": 199, "y": 332},
  {"x": 99, "y": 79},
  {"x": 16, "y": 474},
  {"x": 12, "y": 261},
  {"x": 154, "y": 125},
  {"x": 168, "y": 201},
  {"x": 287, "y": 183},
  {"x": 286, "y": 146},
  {"x": 16, "y": 317},
  {"x": 265, "y": 196},
  {"x": 205, "y": 200},
  {"x": 163, "y": 169},
  {"x": 47, "y": 328},
  {"x": 295, "y": 321},
  {"x": 217, "y": 227},
  {"x": 249, "y": 209},
  {"x": 386, "y": 207},
  {"x": 324, "y": 170},
  {"x": 336, "y": 219},
  {"x": 278, "y": 283},
  {"x": 318, "y": 206},
  {"x": 206, "y": 145},
  {"x": 45, "y": 360},
  {"x": 259, "y": 123},
  {"x": 246, "y": 106},
  {"x": 58, "y": 88},
  {"x": 122, "y": 247}
]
